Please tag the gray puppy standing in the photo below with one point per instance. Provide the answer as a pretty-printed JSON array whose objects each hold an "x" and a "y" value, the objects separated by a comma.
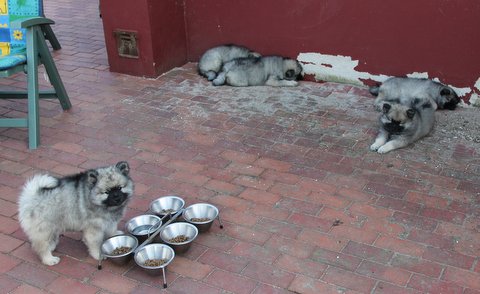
[
  {"x": 406, "y": 89},
  {"x": 401, "y": 125},
  {"x": 213, "y": 59},
  {"x": 92, "y": 201},
  {"x": 269, "y": 70}
]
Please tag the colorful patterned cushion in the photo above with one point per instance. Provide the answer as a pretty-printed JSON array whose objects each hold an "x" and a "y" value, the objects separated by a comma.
[
  {"x": 9, "y": 61},
  {"x": 12, "y": 40}
]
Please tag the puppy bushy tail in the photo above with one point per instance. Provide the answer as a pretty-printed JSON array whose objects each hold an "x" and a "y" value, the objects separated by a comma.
[{"x": 39, "y": 182}]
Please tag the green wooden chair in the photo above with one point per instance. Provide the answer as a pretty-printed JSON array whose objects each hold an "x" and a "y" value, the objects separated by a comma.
[
  {"x": 49, "y": 34},
  {"x": 23, "y": 33}
]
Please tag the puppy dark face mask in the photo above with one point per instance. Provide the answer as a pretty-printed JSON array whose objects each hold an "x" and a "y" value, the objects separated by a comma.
[{"x": 115, "y": 197}]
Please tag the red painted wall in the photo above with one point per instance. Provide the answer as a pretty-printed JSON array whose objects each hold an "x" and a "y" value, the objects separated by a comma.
[
  {"x": 169, "y": 43},
  {"x": 161, "y": 34},
  {"x": 441, "y": 37}
]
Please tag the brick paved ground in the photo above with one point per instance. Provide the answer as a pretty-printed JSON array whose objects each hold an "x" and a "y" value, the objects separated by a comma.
[{"x": 306, "y": 207}]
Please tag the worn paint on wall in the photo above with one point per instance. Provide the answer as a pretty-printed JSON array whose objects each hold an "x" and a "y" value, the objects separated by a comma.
[
  {"x": 342, "y": 69},
  {"x": 475, "y": 98},
  {"x": 335, "y": 68},
  {"x": 460, "y": 91}
]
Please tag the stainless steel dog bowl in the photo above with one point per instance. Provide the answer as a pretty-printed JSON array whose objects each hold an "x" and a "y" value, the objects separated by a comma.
[
  {"x": 143, "y": 226},
  {"x": 201, "y": 211},
  {"x": 154, "y": 251},
  {"x": 166, "y": 205},
  {"x": 175, "y": 230},
  {"x": 118, "y": 241}
]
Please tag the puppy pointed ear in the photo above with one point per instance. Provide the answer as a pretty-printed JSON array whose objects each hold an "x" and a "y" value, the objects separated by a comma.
[
  {"x": 386, "y": 107},
  {"x": 92, "y": 177},
  {"x": 410, "y": 113},
  {"x": 123, "y": 167}
]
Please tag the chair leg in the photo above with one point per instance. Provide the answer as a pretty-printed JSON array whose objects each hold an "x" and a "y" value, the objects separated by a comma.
[
  {"x": 50, "y": 36},
  {"x": 37, "y": 48},
  {"x": 33, "y": 118},
  {"x": 52, "y": 72}
]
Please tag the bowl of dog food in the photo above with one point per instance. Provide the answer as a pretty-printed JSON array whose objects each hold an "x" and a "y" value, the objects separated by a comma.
[
  {"x": 119, "y": 249},
  {"x": 153, "y": 258},
  {"x": 201, "y": 215},
  {"x": 143, "y": 226},
  {"x": 179, "y": 236},
  {"x": 166, "y": 206}
]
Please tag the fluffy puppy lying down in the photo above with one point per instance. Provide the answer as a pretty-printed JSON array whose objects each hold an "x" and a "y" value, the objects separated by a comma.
[
  {"x": 406, "y": 89},
  {"x": 401, "y": 125},
  {"x": 258, "y": 71},
  {"x": 213, "y": 59}
]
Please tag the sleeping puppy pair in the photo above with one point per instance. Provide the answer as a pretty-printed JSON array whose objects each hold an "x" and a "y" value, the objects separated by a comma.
[{"x": 240, "y": 67}]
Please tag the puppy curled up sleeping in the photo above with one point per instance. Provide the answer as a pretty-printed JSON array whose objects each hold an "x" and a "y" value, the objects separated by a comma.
[
  {"x": 93, "y": 201},
  {"x": 213, "y": 59},
  {"x": 258, "y": 71}
]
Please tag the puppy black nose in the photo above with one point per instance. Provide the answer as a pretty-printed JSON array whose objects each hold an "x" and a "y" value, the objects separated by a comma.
[
  {"x": 115, "y": 197},
  {"x": 450, "y": 105},
  {"x": 290, "y": 74}
]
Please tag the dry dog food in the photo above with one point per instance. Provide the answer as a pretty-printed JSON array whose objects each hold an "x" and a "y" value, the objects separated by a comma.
[
  {"x": 167, "y": 211},
  {"x": 199, "y": 219},
  {"x": 155, "y": 262},
  {"x": 179, "y": 239},
  {"x": 121, "y": 250}
]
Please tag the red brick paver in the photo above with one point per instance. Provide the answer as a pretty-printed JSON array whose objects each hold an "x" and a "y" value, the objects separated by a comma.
[{"x": 306, "y": 207}]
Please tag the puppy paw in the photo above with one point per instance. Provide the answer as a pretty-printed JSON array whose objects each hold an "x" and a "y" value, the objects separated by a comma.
[
  {"x": 217, "y": 82},
  {"x": 374, "y": 147},
  {"x": 383, "y": 149},
  {"x": 211, "y": 75},
  {"x": 50, "y": 260}
]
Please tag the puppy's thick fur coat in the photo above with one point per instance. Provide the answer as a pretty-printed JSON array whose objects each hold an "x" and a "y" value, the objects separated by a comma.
[
  {"x": 213, "y": 59},
  {"x": 93, "y": 202},
  {"x": 404, "y": 90},
  {"x": 269, "y": 70},
  {"x": 401, "y": 125}
]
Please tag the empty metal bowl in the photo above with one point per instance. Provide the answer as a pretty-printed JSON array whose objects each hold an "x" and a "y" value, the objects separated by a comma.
[
  {"x": 166, "y": 205},
  {"x": 119, "y": 248},
  {"x": 154, "y": 252},
  {"x": 183, "y": 232},
  {"x": 143, "y": 226},
  {"x": 201, "y": 215}
]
